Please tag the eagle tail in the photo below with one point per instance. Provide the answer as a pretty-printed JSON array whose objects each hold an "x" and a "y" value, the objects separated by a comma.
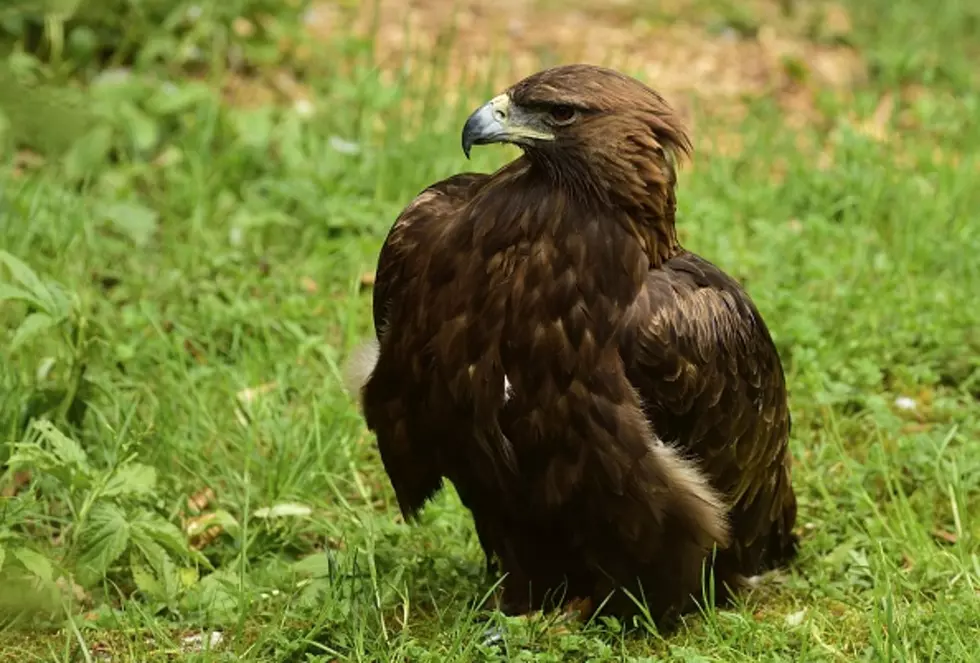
[{"x": 693, "y": 495}]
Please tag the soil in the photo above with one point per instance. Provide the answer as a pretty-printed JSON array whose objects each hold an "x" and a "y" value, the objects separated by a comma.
[{"x": 689, "y": 50}]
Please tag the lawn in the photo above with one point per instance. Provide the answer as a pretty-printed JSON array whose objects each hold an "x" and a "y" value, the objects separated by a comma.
[{"x": 193, "y": 197}]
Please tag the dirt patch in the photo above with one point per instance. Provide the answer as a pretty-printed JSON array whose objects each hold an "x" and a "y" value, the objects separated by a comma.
[{"x": 687, "y": 49}]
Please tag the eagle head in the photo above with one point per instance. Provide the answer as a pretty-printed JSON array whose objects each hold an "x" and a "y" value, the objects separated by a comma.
[
  {"x": 602, "y": 137},
  {"x": 576, "y": 112}
]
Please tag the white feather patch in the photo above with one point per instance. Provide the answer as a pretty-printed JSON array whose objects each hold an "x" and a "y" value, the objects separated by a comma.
[
  {"x": 508, "y": 389},
  {"x": 358, "y": 366},
  {"x": 691, "y": 487}
]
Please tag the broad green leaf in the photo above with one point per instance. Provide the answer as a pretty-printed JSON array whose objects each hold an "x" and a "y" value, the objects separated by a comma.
[
  {"x": 143, "y": 130},
  {"x": 61, "y": 301},
  {"x": 144, "y": 578},
  {"x": 158, "y": 530},
  {"x": 132, "y": 479},
  {"x": 169, "y": 100},
  {"x": 87, "y": 153},
  {"x": 44, "y": 116},
  {"x": 316, "y": 565},
  {"x": 188, "y": 576},
  {"x": 216, "y": 594},
  {"x": 67, "y": 450},
  {"x": 136, "y": 221},
  {"x": 28, "y": 279},
  {"x": 153, "y": 553},
  {"x": 157, "y": 564},
  {"x": 155, "y": 536},
  {"x": 254, "y": 127},
  {"x": 8, "y": 292},
  {"x": 33, "y": 325},
  {"x": 104, "y": 540},
  {"x": 36, "y": 563},
  {"x": 27, "y": 456}
]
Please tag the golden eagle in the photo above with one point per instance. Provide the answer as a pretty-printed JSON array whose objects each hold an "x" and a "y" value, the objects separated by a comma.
[{"x": 609, "y": 406}]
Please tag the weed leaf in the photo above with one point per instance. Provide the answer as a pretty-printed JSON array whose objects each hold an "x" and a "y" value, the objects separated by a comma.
[
  {"x": 36, "y": 563},
  {"x": 132, "y": 479},
  {"x": 10, "y": 292},
  {"x": 104, "y": 540},
  {"x": 65, "y": 449},
  {"x": 33, "y": 325},
  {"x": 28, "y": 279}
]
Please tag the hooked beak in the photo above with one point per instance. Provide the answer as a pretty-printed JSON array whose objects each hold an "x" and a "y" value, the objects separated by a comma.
[{"x": 498, "y": 121}]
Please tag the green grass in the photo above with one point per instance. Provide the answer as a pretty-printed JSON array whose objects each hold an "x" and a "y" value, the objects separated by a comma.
[{"x": 185, "y": 250}]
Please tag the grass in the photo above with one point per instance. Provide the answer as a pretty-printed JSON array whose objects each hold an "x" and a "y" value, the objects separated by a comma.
[{"x": 181, "y": 284}]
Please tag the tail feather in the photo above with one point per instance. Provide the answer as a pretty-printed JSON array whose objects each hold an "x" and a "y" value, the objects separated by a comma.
[{"x": 694, "y": 496}]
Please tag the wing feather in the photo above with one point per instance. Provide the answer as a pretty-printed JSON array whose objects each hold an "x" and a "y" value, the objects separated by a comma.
[
  {"x": 406, "y": 429},
  {"x": 710, "y": 377}
]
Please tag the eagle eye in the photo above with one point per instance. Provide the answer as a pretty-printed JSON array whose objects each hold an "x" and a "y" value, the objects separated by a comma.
[{"x": 562, "y": 114}]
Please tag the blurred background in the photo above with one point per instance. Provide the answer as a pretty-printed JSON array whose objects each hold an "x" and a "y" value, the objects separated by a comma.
[
  {"x": 192, "y": 198},
  {"x": 713, "y": 52}
]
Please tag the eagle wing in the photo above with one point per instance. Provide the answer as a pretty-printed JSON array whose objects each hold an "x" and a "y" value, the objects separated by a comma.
[
  {"x": 711, "y": 381},
  {"x": 416, "y": 227},
  {"x": 407, "y": 433}
]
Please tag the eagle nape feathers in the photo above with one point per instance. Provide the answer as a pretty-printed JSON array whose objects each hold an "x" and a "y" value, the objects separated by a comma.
[{"x": 609, "y": 406}]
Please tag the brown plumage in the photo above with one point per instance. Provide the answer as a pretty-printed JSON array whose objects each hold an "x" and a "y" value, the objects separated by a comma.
[{"x": 608, "y": 405}]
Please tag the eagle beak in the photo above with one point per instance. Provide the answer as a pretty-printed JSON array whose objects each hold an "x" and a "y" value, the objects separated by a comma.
[
  {"x": 498, "y": 121},
  {"x": 487, "y": 124}
]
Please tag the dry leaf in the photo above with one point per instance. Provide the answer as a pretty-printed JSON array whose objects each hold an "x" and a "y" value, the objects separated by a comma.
[
  {"x": 20, "y": 479},
  {"x": 200, "y": 532},
  {"x": 101, "y": 650},
  {"x": 25, "y": 160},
  {"x": 200, "y": 500},
  {"x": 243, "y": 419},
  {"x": 943, "y": 535},
  {"x": 243, "y": 27},
  {"x": 304, "y": 107},
  {"x": 367, "y": 280},
  {"x": 876, "y": 126},
  {"x": 309, "y": 285},
  {"x": 837, "y": 21},
  {"x": 196, "y": 642},
  {"x": 249, "y": 394},
  {"x": 67, "y": 585},
  {"x": 795, "y": 618},
  {"x": 244, "y": 92},
  {"x": 194, "y": 351},
  {"x": 289, "y": 87}
]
